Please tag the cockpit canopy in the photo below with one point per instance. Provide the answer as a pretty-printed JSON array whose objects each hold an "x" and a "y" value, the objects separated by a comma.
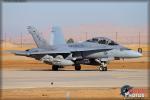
[{"x": 102, "y": 40}]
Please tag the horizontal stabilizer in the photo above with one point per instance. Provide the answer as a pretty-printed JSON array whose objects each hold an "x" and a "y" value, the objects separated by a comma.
[{"x": 17, "y": 52}]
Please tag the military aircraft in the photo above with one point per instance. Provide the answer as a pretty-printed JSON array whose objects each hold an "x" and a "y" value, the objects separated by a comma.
[{"x": 94, "y": 51}]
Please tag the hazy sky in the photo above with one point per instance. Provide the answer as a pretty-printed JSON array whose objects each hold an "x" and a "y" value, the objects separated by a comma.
[{"x": 16, "y": 16}]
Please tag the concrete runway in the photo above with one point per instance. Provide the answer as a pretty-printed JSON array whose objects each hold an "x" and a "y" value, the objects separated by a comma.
[{"x": 39, "y": 79}]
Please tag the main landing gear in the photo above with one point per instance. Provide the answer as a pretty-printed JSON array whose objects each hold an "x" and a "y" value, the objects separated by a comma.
[
  {"x": 55, "y": 67},
  {"x": 103, "y": 66},
  {"x": 77, "y": 67}
]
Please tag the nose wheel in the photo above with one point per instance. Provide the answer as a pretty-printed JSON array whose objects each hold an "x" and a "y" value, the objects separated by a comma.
[{"x": 103, "y": 66}]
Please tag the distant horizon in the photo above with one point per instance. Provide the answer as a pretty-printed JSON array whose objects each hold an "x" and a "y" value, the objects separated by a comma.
[
  {"x": 31, "y": 41},
  {"x": 76, "y": 19}
]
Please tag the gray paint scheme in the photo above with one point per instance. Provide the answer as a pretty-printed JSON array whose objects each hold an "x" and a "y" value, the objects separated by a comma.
[{"x": 100, "y": 48}]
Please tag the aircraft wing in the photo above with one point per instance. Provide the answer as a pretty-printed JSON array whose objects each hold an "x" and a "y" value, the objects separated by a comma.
[
  {"x": 17, "y": 52},
  {"x": 48, "y": 52},
  {"x": 27, "y": 53}
]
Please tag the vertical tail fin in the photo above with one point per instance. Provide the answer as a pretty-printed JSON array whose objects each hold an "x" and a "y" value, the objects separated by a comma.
[
  {"x": 39, "y": 40},
  {"x": 57, "y": 36}
]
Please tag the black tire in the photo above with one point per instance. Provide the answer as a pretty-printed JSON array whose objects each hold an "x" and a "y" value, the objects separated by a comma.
[
  {"x": 77, "y": 67},
  {"x": 105, "y": 68},
  {"x": 55, "y": 68},
  {"x": 101, "y": 68}
]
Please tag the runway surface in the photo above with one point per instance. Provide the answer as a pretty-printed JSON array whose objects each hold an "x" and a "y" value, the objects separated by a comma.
[{"x": 38, "y": 79}]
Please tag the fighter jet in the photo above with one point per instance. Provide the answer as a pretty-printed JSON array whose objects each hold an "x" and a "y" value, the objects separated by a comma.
[{"x": 94, "y": 51}]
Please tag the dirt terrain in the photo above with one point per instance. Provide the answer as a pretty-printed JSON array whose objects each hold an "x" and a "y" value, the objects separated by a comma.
[{"x": 65, "y": 93}]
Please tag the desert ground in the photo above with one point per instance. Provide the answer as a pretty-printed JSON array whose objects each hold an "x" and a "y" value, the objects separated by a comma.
[
  {"x": 77, "y": 93},
  {"x": 10, "y": 62}
]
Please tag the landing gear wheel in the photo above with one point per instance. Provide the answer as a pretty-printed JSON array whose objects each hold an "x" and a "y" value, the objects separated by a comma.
[
  {"x": 54, "y": 67},
  {"x": 101, "y": 68},
  {"x": 105, "y": 69},
  {"x": 77, "y": 67}
]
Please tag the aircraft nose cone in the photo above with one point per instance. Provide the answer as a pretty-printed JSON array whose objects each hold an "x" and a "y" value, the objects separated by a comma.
[
  {"x": 135, "y": 54},
  {"x": 139, "y": 54}
]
